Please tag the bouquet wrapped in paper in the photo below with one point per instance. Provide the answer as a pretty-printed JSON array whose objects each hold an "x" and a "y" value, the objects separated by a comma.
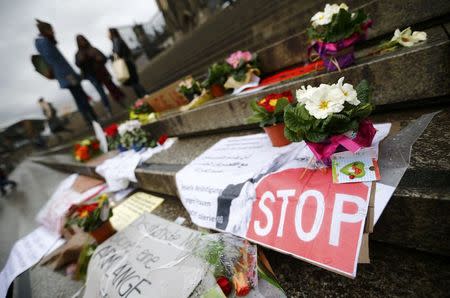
[
  {"x": 86, "y": 149},
  {"x": 243, "y": 69}
]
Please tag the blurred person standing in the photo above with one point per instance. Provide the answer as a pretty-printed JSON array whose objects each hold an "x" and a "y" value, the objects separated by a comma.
[
  {"x": 121, "y": 50},
  {"x": 67, "y": 78},
  {"x": 4, "y": 181},
  {"x": 54, "y": 122},
  {"x": 91, "y": 62}
]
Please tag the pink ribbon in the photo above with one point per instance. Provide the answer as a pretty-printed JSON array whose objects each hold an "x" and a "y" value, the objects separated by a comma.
[
  {"x": 364, "y": 138},
  {"x": 325, "y": 47}
]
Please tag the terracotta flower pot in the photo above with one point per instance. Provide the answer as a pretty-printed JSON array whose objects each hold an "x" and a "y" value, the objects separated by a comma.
[
  {"x": 217, "y": 90},
  {"x": 276, "y": 135},
  {"x": 103, "y": 232}
]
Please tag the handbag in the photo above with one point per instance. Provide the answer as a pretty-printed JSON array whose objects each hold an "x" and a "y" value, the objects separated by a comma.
[
  {"x": 120, "y": 69},
  {"x": 42, "y": 67}
]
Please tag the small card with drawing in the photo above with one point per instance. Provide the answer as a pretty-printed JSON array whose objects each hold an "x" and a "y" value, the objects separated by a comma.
[{"x": 362, "y": 166}]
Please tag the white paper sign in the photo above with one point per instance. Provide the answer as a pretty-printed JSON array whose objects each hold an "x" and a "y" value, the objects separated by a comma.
[
  {"x": 25, "y": 253},
  {"x": 118, "y": 171},
  {"x": 100, "y": 136},
  {"x": 229, "y": 163},
  {"x": 149, "y": 258}
]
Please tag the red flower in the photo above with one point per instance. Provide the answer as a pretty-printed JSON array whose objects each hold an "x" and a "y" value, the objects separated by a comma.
[
  {"x": 162, "y": 139},
  {"x": 224, "y": 284},
  {"x": 111, "y": 130},
  {"x": 96, "y": 145},
  {"x": 82, "y": 153},
  {"x": 270, "y": 101},
  {"x": 77, "y": 146},
  {"x": 89, "y": 208}
]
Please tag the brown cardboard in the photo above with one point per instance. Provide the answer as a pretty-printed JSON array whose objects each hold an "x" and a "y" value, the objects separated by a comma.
[
  {"x": 364, "y": 250},
  {"x": 166, "y": 98},
  {"x": 368, "y": 228},
  {"x": 83, "y": 183}
]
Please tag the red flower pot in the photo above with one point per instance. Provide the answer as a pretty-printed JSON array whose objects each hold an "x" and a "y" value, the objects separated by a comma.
[
  {"x": 103, "y": 232},
  {"x": 217, "y": 90},
  {"x": 276, "y": 135}
]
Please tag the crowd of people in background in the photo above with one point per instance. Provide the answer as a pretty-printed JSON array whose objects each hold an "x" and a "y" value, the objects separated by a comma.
[{"x": 92, "y": 65}]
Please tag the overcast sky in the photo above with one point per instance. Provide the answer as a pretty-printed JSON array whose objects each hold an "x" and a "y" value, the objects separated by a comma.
[{"x": 20, "y": 85}]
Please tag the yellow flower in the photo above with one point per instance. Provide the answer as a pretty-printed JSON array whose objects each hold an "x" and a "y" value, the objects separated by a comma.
[
  {"x": 273, "y": 102},
  {"x": 84, "y": 214}
]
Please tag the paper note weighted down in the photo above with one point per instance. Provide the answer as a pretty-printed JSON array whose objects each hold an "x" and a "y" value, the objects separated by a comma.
[{"x": 133, "y": 207}]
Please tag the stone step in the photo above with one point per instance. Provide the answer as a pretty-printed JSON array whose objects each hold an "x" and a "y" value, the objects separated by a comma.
[
  {"x": 416, "y": 216},
  {"x": 207, "y": 44},
  {"x": 389, "y": 74}
]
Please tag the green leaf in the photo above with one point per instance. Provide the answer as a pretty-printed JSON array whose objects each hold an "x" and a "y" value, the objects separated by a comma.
[
  {"x": 335, "y": 122},
  {"x": 315, "y": 136},
  {"x": 362, "y": 111},
  {"x": 359, "y": 18},
  {"x": 255, "y": 118},
  {"x": 363, "y": 91},
  {"x": 297, "y": 118},
  {"x": 341, "y": 26},
  {"x": 281, "y": 104},
  {"x": 292, "y": 135}
]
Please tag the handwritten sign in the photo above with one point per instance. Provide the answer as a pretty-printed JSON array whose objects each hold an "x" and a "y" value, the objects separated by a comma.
[
  {"x": 149, "y": 258},
  {"x": 133, "y": 207}
]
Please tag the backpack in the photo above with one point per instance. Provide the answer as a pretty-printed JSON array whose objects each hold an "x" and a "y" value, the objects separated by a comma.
[{"x": 42, "y": 67}]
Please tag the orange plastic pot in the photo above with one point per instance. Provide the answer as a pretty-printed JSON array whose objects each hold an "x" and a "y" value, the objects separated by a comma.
[
  {"x": 217, "y": 90},
  {"x": 276, "y": 135},
  {"x": 103, "y": 232}
]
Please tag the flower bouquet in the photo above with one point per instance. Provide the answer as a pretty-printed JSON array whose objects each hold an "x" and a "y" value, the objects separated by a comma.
[
  {"x": 334, "y": 32},
  {"x": 405, "y": 38},
  {"x": 86, "y": 149},
  {"x": 194, "y": 93},
  {"x": 140, "y": 110},
  {"x": 112, "y": 136},
  {"x": 331, "y": 118},
  {"x": 243, "y": 69},
  {"x": 269, "y": 113},
  {"x": 216, "y": 78},
  {"x": 232, "y": 261},
  {"x": 189, "y": 88},
  {"x": 132, "y": 136},
  {"x": 93, "y": 217}
]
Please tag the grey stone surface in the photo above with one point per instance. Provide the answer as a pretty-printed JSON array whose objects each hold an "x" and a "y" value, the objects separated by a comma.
[
  {"x": 390, "y": 75},
  {"x": 255, "y": 25}
]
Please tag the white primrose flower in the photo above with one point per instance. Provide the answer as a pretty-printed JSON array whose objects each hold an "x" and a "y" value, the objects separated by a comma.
[
  {"x": 347, "y": 92},
  {"x": 187, "y": 83},
  {"x": 407, "y": 38},
  {"x": 128, "y": 126},
  {"x": 303, "y": 94},
  {"x": 324, "y": 17},
  {"x": 325, "y": 100}
]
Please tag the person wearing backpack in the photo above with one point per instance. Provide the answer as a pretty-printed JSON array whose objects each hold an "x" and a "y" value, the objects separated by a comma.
[
  {"x": 45, "y": 44},
  {"x": 92, "y": 65}
]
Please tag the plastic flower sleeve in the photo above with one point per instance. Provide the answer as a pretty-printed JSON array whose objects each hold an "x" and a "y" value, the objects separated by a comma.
[
  {"x": 395, "y": 150},
  {"x": 232, "y": 258}
]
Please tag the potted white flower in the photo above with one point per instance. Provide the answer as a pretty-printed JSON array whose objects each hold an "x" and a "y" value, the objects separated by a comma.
[
  {"x": 331, "y": 118},
  {"x": 334, "y": 32}
]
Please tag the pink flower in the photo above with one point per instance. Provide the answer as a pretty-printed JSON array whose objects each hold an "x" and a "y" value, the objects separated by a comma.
[
  {"x": 235, "y": 59},
  {"x": 139, "y": 103}
]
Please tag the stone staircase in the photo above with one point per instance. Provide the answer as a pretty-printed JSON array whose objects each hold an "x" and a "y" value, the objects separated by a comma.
[{"x": 410, "y": 246}]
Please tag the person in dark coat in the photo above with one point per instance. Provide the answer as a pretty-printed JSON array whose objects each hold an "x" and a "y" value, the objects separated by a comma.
[
  {"x": 67, "y": 78},
  {"x": 121, "y": 50},
  {"x": 4, "y": 181},
  {"x": 92, "y": 65}
]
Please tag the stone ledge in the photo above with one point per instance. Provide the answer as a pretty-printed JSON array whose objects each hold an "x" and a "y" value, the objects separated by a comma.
[{"x": 390, "y": 76}]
